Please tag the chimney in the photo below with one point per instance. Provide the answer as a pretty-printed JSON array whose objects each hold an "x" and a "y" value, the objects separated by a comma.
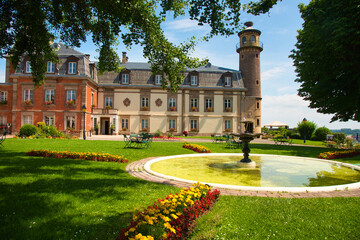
[
  {"x": 124, "y": 57},
  {"x": 87, "y": 56}
]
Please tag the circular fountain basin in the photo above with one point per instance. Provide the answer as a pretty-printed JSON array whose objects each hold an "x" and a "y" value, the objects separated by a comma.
[{"x": 272, "y": 172}]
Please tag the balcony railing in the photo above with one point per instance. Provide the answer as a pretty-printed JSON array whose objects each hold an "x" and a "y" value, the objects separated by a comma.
[{"x": 250, "y": 45}]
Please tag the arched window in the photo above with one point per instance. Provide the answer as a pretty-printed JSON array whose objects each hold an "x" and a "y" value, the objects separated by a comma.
[
  {"x": 252, "y": 39},
  {"x": 244, "y": 40}
]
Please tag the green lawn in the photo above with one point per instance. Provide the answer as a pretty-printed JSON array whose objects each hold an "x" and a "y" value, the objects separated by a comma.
[{"x": 76, "y": 199}]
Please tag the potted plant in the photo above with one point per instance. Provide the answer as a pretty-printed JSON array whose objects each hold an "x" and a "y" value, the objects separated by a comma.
[
  {"x": 124, "y": 129},
  {"x": 4, "y": 102},
  {"x": 185, "y": 133},
  {"x": 172, "y": 108},
  {"x": 209, "y": 109},
  {"x": 96, "y": 129},
  {"x": 172, "y": 129},
  {"x": 28, "y": 102},
  {"x": 70, "y": 102},
  {"x": 93, "y": 105},
  {"x": 194, "y": 130},
  {"x": 227, "y": 130},
  {"x": 145, "y": 108},
  {"x": 228, "y": 109},
  {"x": 108, "y": 107},
  {"x": 112, "y": 128},
  {"x": 194, "y": 109},
  {"x": 144, "y": 129},
  {"x": 48, "y": 102}
]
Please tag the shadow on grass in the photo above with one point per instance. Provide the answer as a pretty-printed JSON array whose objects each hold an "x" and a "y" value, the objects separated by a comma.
[{"x": 45, "y": 198}]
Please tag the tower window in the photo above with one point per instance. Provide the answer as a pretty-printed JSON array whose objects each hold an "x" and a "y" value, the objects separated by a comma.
[
  {"x": 257, "y": 82},
  {"x": 244, "y": 40},
  {"x": 257, "y": 55},
  {"x": 252, "y": 39},
  {"x": 242, "y": 56}
]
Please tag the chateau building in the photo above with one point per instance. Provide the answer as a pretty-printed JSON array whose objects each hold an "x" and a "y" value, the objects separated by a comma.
[{"x": 211, "y": 99}]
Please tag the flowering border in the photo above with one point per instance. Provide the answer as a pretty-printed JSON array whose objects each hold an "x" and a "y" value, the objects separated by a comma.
[
  {"x": 196, "y": 148},
  {"x": 172, "y": 217},
  {"x": 339, "y": 154},
  {"x": 99, "y": 157}
]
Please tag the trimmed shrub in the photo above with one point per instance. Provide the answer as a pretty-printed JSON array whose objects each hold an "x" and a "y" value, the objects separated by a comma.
[
  {"x": 306, "y": 129},
  {"x": 158, "y": 133},
  {"x": 27, "y": 130},
  {"x": 321, "y": 133},
  {"x": 339, "y": 137}
]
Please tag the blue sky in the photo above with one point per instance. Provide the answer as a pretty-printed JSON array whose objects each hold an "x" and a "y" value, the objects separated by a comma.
[{"x": 279, "y": 31}]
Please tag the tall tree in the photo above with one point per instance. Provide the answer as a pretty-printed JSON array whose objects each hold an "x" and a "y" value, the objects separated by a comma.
[
  {"x": 27, "y": 26},
  {"x": 327, "y": 57}
]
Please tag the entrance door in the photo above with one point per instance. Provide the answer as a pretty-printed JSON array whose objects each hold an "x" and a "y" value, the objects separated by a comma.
[{"x": 105, "y": 126}]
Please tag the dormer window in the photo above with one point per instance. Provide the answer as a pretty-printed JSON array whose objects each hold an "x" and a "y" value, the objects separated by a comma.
[
  {"x": 50, "y": 67},
  {"x": 28, "y": 67},
  {"x": 125, "y": 78},
  {"x": 227, "y": 82},
  {"x": 72, "y": 68},
  {"x": 194, "y": 80},
  {"x": 158, "y": 79}
]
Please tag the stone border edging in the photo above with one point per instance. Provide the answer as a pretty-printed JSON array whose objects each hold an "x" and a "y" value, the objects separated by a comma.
[{"x": 137, "y": 169}]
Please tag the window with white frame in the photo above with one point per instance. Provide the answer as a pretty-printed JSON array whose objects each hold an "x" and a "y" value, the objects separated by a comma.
[
  {"x": 28, "y": 95},
  {"x": 92, "y": 98},
  {"x": 27, "y": 119},
  {"x": 208, "y": 104},
  {"x": 244, "y": 40},
  {"x": 124, "y": 124},
  {"x": 193, "y": 124},
  {"x": 3, "y": 97},
  {"x": 158, "y": 79},
  {"x": 50, "y": 67},
  {"x": 145, "y": 102},
  {"x": 50, "y": 96},
  {"x": 70, "y": 122},
  {"x": 227, "y": 81},
  {"x": 172, "y": 103},
  {"x": 72, "y": 68},
  {"x": 172, "y": 124},
  {"x": 227, "y": 104},
  {"x": 108, "y": 101},
  {"x": 28, "y": 67},
  {"x": 194, "y": 104},
  {"x": 194, "y": 80},
  {"x": 144, "y": 124},
  {"x": 227, "y": 124},
  {"x": 125, "y": 78},
  {"x": 71, "y": 95},
  {"x": 49, "y": 120}
]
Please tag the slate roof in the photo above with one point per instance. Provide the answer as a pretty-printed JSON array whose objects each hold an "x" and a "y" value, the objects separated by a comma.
[{"x": 62, "y": 49}]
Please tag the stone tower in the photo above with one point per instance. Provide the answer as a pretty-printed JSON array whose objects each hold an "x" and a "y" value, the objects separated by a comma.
[{"x": 249, "y": 64}]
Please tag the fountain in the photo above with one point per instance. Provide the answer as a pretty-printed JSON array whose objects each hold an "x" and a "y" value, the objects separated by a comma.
[{"x": 246, "y": 138}]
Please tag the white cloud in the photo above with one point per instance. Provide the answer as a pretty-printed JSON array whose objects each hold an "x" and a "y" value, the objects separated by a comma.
[
  {"x": 276, "y": 71},
  {"x": 2, "y": 76},
  {"x": 291, "y": 109},
  {"x": 185, "y": 25}
]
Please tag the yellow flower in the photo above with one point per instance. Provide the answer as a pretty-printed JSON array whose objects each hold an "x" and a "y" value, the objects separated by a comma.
[
  {"x": 167, "y": 225},
  {"x": 132, "y": 230},
  {"x": 164, "y": 236},
  {"x": 174, "y": 216},
  {"x": 173, "y": 230}
]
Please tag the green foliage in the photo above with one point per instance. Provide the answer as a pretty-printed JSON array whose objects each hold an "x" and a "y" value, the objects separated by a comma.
[
  {"x": 321, "y": 133},
  {"x": 306, "y": 129},
  {"x": 27, "y": 130},
  {"x": 265, "y": 130},
  {"x": 327, "y": 57},
  {"x": 339, "y": 137},
  {"x": 158, "y": 133},
  {"x": 26, "y": 28}
]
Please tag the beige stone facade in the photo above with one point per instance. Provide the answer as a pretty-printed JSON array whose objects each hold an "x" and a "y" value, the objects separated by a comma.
[{"x": 211, "y": 99}]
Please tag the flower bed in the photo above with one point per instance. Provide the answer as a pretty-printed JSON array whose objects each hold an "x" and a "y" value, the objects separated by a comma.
[
  {"x": 166, "y": 137},
  {"x": 196, "y": 148},
  {"x": 172, "y": 217},
  {"x": 100, "y": 157},
  {"x": 339, "y": 154}
]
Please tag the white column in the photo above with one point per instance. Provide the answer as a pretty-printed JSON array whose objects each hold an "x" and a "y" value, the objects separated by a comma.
[{"x": 117, "y": 124}]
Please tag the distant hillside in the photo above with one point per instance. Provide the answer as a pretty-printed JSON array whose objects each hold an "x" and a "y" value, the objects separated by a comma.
[{"x": 347, "y": 131}]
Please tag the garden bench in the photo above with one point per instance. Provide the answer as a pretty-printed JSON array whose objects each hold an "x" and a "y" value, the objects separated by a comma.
[
  {"x": 233, "y": 142},
  {"x": 138, "y": 141},
  {"x": 283, "y": 140},
  {"x": 2, "y": 139}
]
